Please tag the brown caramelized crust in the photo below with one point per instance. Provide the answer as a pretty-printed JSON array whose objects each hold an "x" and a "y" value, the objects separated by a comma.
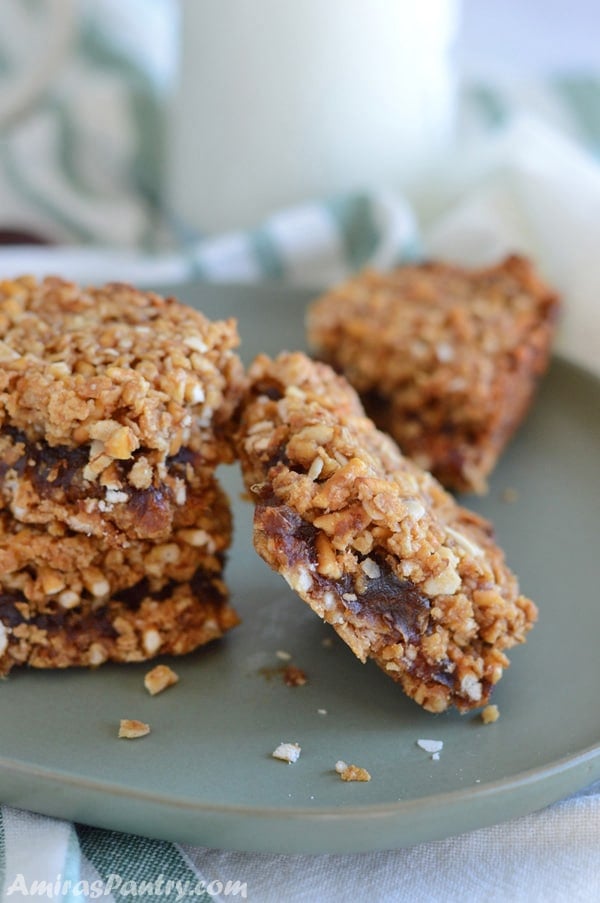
[
  {"x": 445, "y": 359},
  {"x": 133, "y": 626},
  {"x": 125, "y": 375},
  {"x": 376, "y": 547}
]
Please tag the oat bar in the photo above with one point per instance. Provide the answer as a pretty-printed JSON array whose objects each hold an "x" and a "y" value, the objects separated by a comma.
[
  {"x": 445, "y": 359},
  {"x": 371, "y": 542},
  {"x": 105, "y": 393}
]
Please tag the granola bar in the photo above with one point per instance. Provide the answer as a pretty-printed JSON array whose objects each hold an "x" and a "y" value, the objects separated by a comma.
[
  {"x": 133, "y": 626},
  {"x": 373, "y": 543},
  {"x": 106, "y": 394},
  {"x": 445, "y": 359}
]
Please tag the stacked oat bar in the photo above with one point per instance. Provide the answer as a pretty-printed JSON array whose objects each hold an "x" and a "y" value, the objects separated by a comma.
[{"x": 113, "y": 528}]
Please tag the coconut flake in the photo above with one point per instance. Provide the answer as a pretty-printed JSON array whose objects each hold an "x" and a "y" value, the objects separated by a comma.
[
  {"x": 431, "y": 746},
  {"x": 287, "y": 752}
]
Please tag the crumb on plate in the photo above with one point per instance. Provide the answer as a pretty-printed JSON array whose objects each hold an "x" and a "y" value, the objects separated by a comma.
[
  {"x": 490, "y": 714},
  {"x": 431, "y": 746},
  {"x": 351, "y": 772},
  {"x": 130, "y": 729},
  {"x": 287, "y": 752},
  {"x": 294, "y": 676},
  {"x": 159, "y": 678}
]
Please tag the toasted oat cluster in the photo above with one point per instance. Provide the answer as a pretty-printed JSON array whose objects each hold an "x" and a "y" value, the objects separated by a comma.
[
  {"x": 351, "y": 772},
  {"x": 445, "y": 359},
  {"x": 114, "y": 407},
  {"x": 371, "y": 542}
]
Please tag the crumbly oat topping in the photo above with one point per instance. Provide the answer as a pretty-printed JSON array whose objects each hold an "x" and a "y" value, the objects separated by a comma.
[
  {"x": 351, "y": 772},
  {"x": 445, "y": 359},
  {"x": 159, "y": 678},
  {"x": 490, "y": 714},
  {"x": 287, "y": 752},
  {"x": 115, "y": 370},
  {"x": 374, "y": 544},
  {"x": 130, "y": 729}
]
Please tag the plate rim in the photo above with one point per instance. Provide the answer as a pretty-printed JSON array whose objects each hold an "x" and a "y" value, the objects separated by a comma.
[{"x": 523, "y": 778}]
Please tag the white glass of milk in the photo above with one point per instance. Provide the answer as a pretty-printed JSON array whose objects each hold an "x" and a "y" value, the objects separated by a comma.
[{"x": 282, "y": 101}]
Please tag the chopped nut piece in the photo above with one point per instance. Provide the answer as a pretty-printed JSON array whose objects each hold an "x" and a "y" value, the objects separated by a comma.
[
  {"x": 69, "y": 599},
  {"x": 97, "y": 655},
  {"x": 351, "y": 772},
  {"x": 490, "y": 714},
  {"x": 287, "y": 752},
  {"x": 140, "y": 474},
  {"x": 52, "y": 581},
  {"x": 294, "y": 677},
  {"x": 152, "y": 641},
  {"x": 159, "y": 679},
  {"x": 130, "y": 729},
  {"x": 283, "y": 656},
  {"x": 95, "y": 582},
  {"x": 314, "y": 471}
]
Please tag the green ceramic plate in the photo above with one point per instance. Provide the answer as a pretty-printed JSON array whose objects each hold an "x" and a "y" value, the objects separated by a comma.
[{"x": 205, "y": 774}]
